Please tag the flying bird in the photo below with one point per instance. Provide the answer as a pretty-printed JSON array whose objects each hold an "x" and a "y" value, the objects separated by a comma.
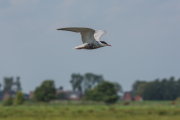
[{"x": 90, "y": 37}]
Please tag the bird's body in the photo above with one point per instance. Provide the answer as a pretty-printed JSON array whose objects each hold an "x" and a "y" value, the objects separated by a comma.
[{"x": 90, "y": 37}]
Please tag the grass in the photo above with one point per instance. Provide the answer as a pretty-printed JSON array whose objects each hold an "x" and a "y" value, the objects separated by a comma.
[{"x": 67, "y": 110}]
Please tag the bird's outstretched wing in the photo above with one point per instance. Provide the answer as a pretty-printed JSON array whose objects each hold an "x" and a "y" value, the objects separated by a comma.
[
  {"x": 98, "y": 34},
  {"x": 87, "y": 34}
]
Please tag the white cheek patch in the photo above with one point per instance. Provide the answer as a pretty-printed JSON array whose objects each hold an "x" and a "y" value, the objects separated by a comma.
[{"x": 101, "y": 44}]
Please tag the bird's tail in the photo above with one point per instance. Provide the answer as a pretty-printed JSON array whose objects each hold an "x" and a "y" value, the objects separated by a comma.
[{"x": 79, "y": 47}]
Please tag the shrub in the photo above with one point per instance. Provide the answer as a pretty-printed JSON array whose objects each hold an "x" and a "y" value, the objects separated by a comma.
[
  {"x": 163, "y": 112},
  {"x": 178, "y": 99},
  {"x": 105, "y": 92},
  {"x": 46, "y": 92},
  {"x": 19, "y": 99},
  {"x": 8, "y": 102},
  {"x": 61, "y": 96}
]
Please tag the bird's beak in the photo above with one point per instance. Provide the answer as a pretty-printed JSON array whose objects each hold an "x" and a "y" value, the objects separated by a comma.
[{"x": 108, "y": 45}]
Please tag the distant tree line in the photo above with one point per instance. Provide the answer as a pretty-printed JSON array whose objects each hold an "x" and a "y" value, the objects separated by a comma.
[
  {"x": 96, "y": 88},
  {"x": 92, "y": 86},
  {"x": 165, "y": 89}
]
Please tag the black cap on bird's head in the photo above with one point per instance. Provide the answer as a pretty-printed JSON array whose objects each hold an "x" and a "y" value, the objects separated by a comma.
[{"x": 105, "y": 43}]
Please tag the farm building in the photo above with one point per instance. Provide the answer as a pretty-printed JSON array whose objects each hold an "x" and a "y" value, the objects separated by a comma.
[
  {"x": 69, "y": 95},
  {"x": 128, "y": 96},
  {"x": 138, "y": 98},
  {"x": 31, "y": 95},
  {"x": 63, "y": 95},
  {"x": 73, "y": 95},
  {"x": 9, "y": 93}
]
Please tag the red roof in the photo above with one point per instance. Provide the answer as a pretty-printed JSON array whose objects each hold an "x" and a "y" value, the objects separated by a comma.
[
  {"x": 127, "y": 97},
  {"x": 138, "y": 98}
]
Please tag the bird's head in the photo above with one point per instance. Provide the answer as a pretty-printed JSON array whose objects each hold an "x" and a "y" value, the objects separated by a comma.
[{"x": 104, "y": 43}]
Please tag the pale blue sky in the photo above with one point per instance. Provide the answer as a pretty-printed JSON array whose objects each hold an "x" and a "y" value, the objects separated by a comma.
[{"x": 144, "y": 34}]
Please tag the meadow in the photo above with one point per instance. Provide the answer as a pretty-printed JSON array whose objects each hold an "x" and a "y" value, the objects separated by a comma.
[{"x": 78, "y": 110}]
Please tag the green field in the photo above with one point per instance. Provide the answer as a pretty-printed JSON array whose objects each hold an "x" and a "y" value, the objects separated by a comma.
[{"x": 147, "y": 110}]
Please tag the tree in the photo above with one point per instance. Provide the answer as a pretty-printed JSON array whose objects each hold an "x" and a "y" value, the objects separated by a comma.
[
  {"x": 90, "y": 80},
  {"x": 18, "y": 84},
  {"x": 105, "y": 91},
  {"x": 165, "y": 89},
  {"x": 19, "y": 99},
  {"x": 8, "y": 82},
  {"x": 61, "y": 88},
  {"x": 178, "y": 85},
  {"x": 150, "y": 90},
  {"x": 10, "y": 85},
  {"x": 46, "y": 92},
  {"x": 61, "y": 96},
  {"x": 84, "y": 82},
  {"x": 118, "y": 87},
  {"x": 8, "y": 102},
  {"x": 76, "y": 82},
  {"x": 0, "y": 87},
  {"x": 138, "y": 87}
]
